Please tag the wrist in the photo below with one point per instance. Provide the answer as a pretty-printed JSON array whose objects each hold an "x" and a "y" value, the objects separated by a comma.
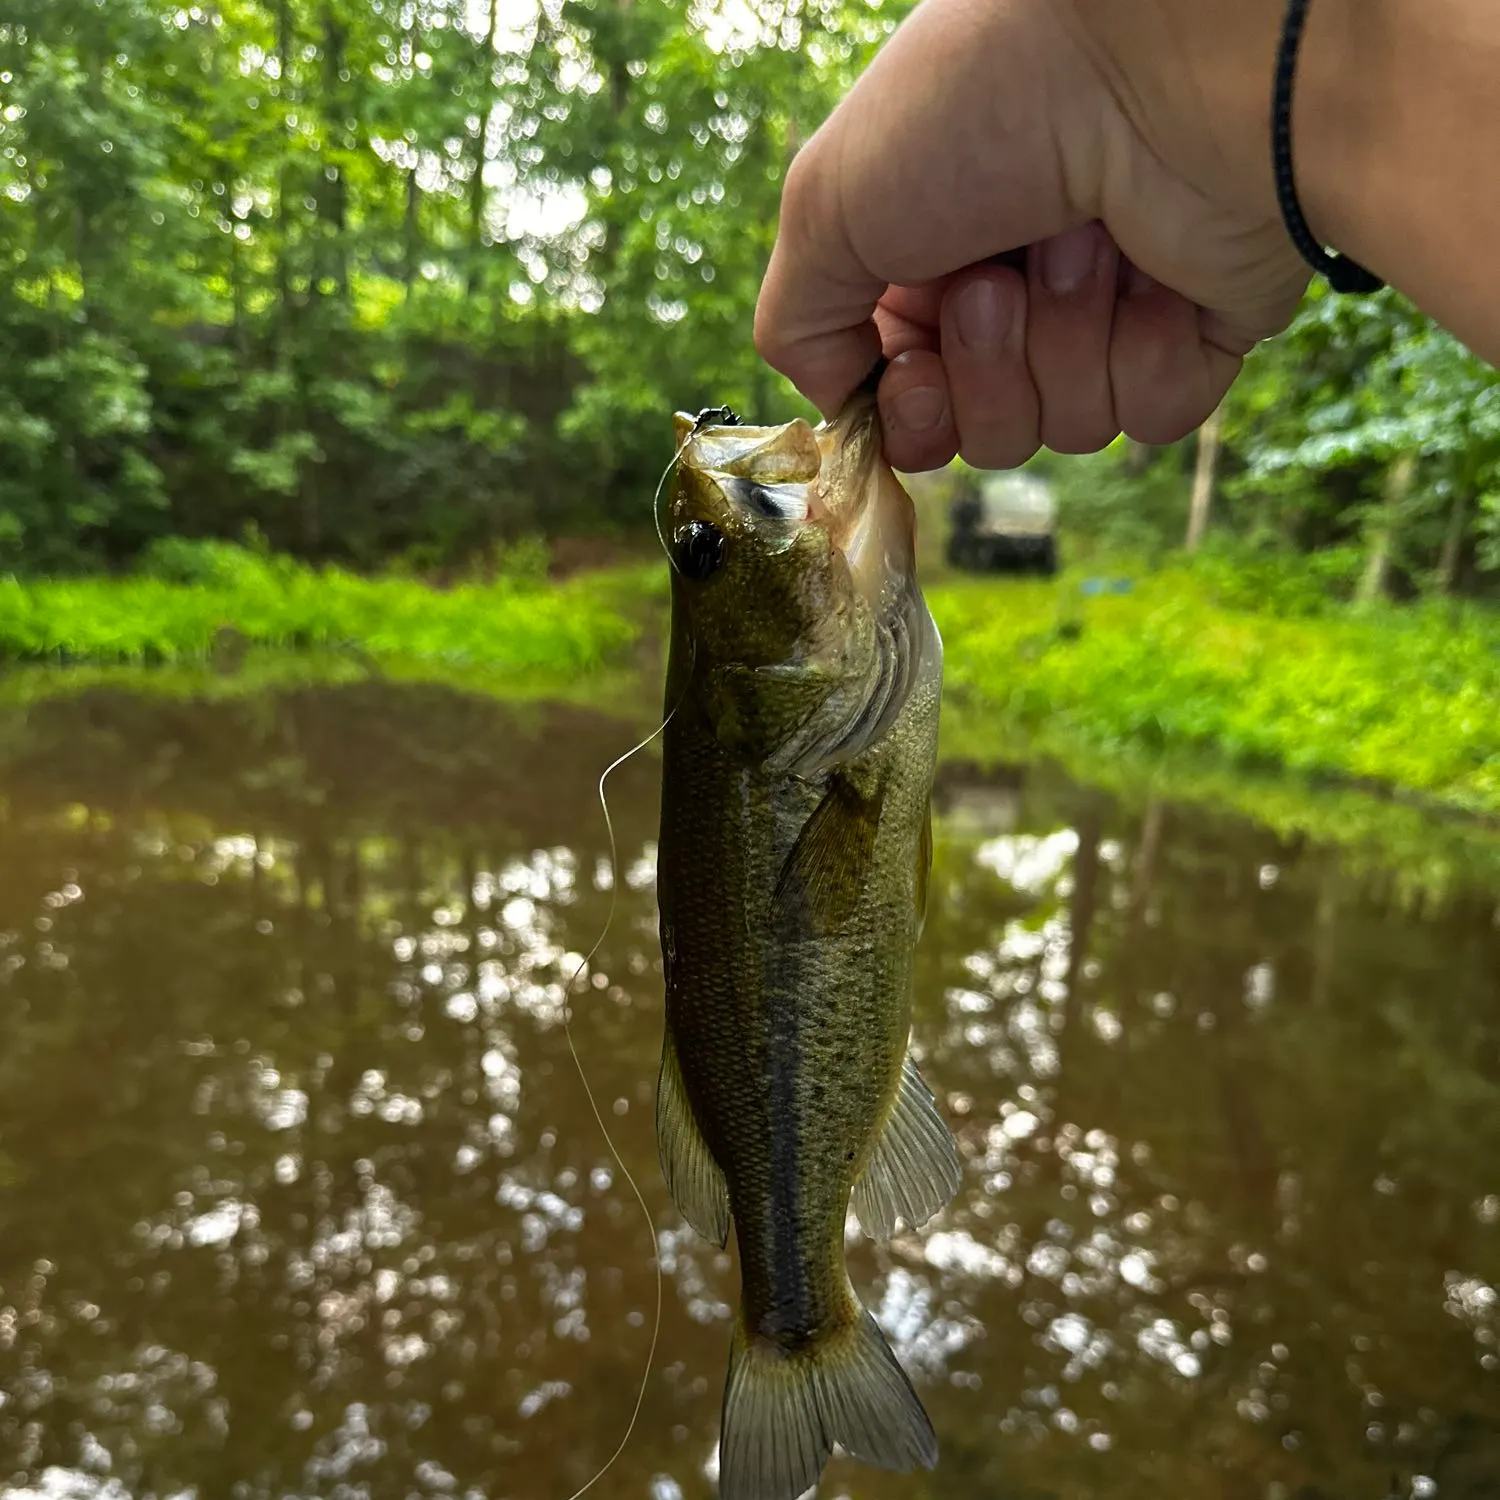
[
  {"x": 1199, "y": 76},
  {"x": 1345, "y": 100},
  {"x": 1195, "y": 77},
  {"x": 1395, "y": 145}
]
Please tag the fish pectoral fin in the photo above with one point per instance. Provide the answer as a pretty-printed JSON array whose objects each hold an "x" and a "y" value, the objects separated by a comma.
[
  {"x": 694, "y": 1179},
  {"x": 783, "y": 1412},
  {"x": 822, "y": 877},
  {"x": 914, "y": 1169}
]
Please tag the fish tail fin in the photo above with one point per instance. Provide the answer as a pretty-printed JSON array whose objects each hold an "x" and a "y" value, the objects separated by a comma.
[
  {"x": 869, "y": 1406},
  {"x": 784, "y": 1412}
]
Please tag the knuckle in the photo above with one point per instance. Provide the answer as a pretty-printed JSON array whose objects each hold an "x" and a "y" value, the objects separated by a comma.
[
  {"x": 766, "y": 333},
  {"x": 799, "y": 193},
  {"x": 1158, "y": 426},
  {"x": 796, "y": 230},
  {"x": 1083, "y": 439}
]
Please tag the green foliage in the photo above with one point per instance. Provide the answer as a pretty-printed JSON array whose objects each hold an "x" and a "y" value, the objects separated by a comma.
[
  {"x": 198, "y": 601},
  {"x": 1112, "y": 503},
  {"x": 411, "y": 280},
  {"x": 1399, "y": 698},
  {"x": 381, "y": 279},
  {"x": 1322, "y": 415},
  {"x": 1290, "y": 585}
]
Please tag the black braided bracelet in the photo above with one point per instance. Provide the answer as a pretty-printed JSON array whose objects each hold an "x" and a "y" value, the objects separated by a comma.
[{"x": 1342, "y": 274}]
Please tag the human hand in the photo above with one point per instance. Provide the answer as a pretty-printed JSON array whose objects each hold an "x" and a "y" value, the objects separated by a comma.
[{"x": 1127, "y": 143}]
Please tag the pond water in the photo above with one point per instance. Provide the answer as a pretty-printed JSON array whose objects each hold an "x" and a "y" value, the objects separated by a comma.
[{"x": 300, "y": 1194}]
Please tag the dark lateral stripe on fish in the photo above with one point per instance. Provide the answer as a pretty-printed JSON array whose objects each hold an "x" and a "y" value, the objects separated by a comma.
[{"x": 794, "y": 1307}]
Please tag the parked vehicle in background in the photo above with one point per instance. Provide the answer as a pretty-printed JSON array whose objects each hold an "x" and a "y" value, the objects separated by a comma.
[{"x": 1004, "y": 523}]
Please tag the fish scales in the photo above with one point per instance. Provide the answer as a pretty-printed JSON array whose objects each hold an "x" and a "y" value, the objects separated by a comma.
[{"x": 804, "y": 681}]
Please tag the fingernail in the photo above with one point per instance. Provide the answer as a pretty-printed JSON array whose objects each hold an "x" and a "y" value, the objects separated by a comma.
[
  {"x": 985, "y": 314},
  {"x": 919, "y": 409},
  {"x": 1068, "y": 259}
]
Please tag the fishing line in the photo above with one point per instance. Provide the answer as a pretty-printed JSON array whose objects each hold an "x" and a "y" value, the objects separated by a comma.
[
  {"x": 661, "y": 484},
  {"x": 614, "y": 1151},
  {"x": 609, "y": 1140}
]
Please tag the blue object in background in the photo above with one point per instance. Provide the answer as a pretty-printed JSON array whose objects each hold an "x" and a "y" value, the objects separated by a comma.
[{"x": 1106, "y": 585}]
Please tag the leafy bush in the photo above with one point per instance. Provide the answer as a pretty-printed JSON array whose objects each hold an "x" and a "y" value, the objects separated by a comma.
[
  {"x": 1277, "y": 582},
  {"x": 177, "y": 559},
  {"x": 215, "y": 592},
  {"x": 1408, "y": 698}
]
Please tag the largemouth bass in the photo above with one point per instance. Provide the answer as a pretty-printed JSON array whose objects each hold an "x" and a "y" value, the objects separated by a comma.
[{"x": 803, "y": 684}]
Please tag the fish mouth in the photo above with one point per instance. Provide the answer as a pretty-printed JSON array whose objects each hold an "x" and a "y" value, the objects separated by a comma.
[
  {"x": 774, "y": 481},
  {"x": 865, "y": 507},
  {"x": 742, "y": 478}
]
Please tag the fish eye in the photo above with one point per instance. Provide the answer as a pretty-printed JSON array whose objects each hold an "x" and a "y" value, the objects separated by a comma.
[{"x": 700, "y": 550}]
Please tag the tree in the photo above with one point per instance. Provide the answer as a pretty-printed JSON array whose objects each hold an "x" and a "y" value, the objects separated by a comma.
[{"x": 1204, "y": 474}]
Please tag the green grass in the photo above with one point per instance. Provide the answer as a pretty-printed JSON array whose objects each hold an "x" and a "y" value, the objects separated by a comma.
[
  {"x": 1253, "y": 669},
  {"x": 216, "y": 601},
  {"x": 1429, "y": 853},
  {"x": 1400, "y": 698}
]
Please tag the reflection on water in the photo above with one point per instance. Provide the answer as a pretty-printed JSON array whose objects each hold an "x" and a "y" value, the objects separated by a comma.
[{"x": 299, "y": 1194}]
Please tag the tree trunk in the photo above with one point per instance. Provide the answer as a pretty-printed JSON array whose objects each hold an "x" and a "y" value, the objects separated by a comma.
[
  {"x": 481, "y": 151},
  {"x": 411, "y": 229},
  {"x": 1398, "y": 483},
  {"x": 619, "y": 69},
  {"x": 1137, "y": 458},
  {"x": 602, "y": 259},
  {"x": 237, "y": 290},
  {"x": 1453, "y": 543},
  {"x": 1210, "y": 436},
  {"x": 283, "y": 186},
  {"x": 333, "y": 206}
]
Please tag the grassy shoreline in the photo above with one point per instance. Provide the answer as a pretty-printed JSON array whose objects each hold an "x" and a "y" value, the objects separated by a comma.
[
  {"x": 1406, "y": 700},
  {"x": 1430, "y": 855},
  {"x": 229, "y": 601},
  {"x": 1189, "y": 660}
]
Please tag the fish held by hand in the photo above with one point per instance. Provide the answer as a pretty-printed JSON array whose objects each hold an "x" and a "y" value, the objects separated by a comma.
[{"x": 805, "y": 674}]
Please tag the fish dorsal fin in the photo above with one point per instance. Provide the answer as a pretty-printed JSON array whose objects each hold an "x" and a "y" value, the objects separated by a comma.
[
  {"x": 914, "y": 1169},
  {"x": 924, "y": 866},
  {"x": 694, "y": 1178},
  {"x": 822, "y": 877}
]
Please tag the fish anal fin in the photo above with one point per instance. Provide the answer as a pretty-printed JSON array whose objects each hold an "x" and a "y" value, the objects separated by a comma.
[
  {"x": 914, "y": 1169},
  {"x": 694, "y": 1178},
  {"x": 822, "y": 877},
  {"x": 783, "y": 1412}
]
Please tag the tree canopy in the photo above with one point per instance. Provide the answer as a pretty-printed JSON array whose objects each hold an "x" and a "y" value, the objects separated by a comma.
[{"x": 386, "y": 277}]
